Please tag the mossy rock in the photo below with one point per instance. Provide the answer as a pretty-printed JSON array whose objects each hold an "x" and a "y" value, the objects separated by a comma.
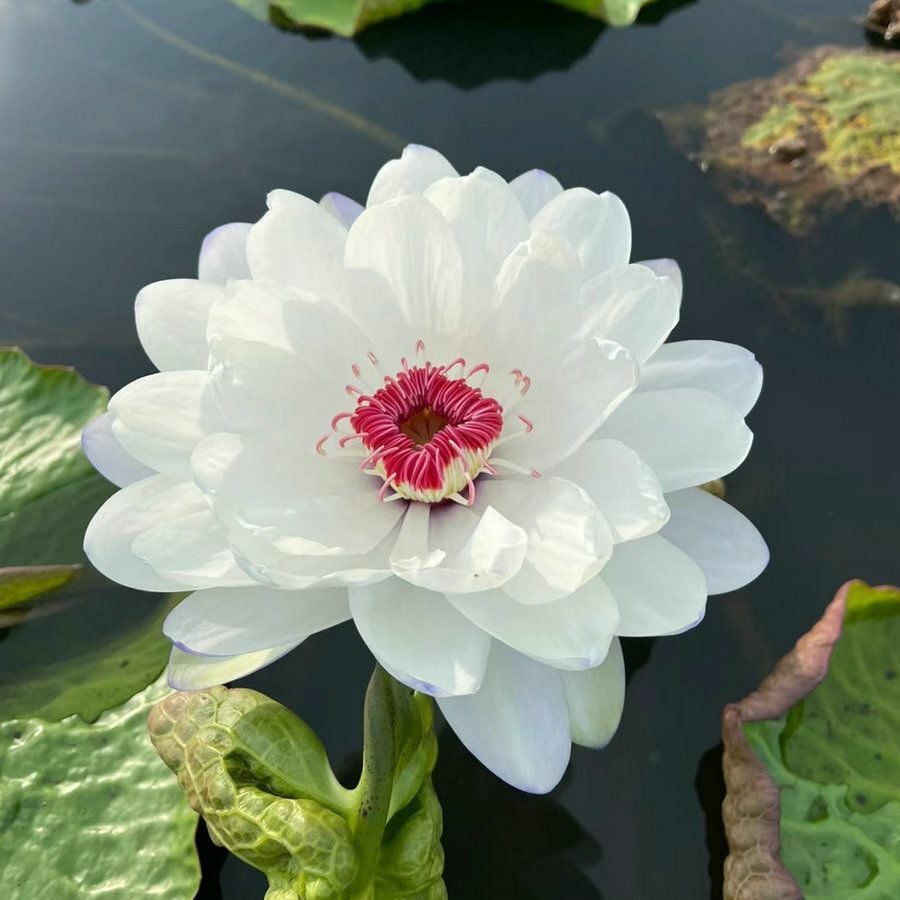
[{"x": 818, "y": 136}]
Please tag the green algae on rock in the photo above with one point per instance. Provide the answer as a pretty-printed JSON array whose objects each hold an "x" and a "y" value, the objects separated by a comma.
[
  {"x": 89, "y": 810},
  {"x": 810, "y": 762},
  {"x": 822, "y": 134}
]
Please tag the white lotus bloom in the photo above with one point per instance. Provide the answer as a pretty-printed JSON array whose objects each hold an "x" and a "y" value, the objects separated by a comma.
[{"x": 449, "y": 416}]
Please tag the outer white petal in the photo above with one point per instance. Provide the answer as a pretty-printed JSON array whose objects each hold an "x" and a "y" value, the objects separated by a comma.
[
  {"x": 191, "y": 672},
  {"x": 229, "y": 621},
  {"x": 572, "y": 633},
  {"x": 535, "y": 189},
  {"x": 410, "y": 244},
  {"x": 633, "y": 307},
  {"x": 664, "y": 268},
  {"x": 567, "y": 406},
  {"x": 687, "y": 436},
  {"x": 724, "y": 369},
  {"x": 659, "y": 589},
  {"x": 191, "y": 549},
  {"x": 621, "y": 484},
  {"x": 419, "y": 636},
  {"x": 568, "y": 538},
  {"x": 171, "y": 322},
  {"x": 596, "y": 225},
  {"x": 517, "y": 724},
  {"x": 108, "y": 456},
  {"x": 159, "y": 419},
  {"x": 717, "y": 537},
  {"x": 450, "y": 548},
  {"x": 293, "y": 499},
  {"x": 596, "y": 698},
  {"x": 417, "y": 168},
  {"x": 128, "y": 513},
  {"x": 298, "y": 244},
  {"x": 223, "y": 255},
  {"x": 342, "y": 207},
  {"x": 487, "y": 222}
]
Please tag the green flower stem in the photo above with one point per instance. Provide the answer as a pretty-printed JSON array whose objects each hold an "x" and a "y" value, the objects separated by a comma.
[{"x": 376, "y": 783}]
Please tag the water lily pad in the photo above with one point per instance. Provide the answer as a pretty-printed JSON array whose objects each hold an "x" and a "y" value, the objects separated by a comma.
[
  {"x": 811, "y": 761},
  {"x": 91, "y": 810},
  {"x": 69, "y": 642},
  {"x": 349, "y": 17},
  {"x": 823, "y": 133}
]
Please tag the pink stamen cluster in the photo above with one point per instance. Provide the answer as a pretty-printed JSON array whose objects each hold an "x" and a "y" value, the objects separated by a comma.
[{"x": 428, "y": 435}]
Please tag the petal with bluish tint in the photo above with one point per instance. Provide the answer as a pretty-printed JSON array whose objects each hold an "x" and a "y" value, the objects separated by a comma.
[
  {"x": 223, "y": 255},
  {"x": 535, "y": 189},
  {"x": 717, "y": 537},
  {"x": 108, "y": 456},
  {"x": 517, "y": 723},
  {"x": 419, "y": 636}
]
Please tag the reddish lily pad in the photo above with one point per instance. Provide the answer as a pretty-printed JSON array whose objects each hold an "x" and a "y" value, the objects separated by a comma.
[{"x": 811, "y": 760}]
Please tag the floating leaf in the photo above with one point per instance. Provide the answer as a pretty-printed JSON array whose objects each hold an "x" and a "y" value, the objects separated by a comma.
[
  {"x": 822, "y": 736},
  {"x": 261, "y": 780},
  {"x": 91, "y": 810},
  {"x": 20, "y": 584},
  {"x": 349, "y": 17}
]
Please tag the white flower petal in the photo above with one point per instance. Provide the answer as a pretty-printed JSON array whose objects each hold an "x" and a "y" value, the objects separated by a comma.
[
  {"x": 410, "y": 244},
  {"x": 223, "y": 255},
  {"x": 596, "y": 225},
  {"x": 568, "y": 538},
  {"x": 572, "y": 633},
  {"x": 190, "y": 549},
  {"x": 622, "y": 486},
  {"x": 159, "y": 419},
  {"x": 341, "y": 207},
  {"x": 416, "y": 169},
  {"x": 450, "y": 548},
  {"x": 596, "y": 698},
  {"x": 293, "y": 499},
  {"x": 230, "y": 621},
  {"x": 133, "y": 510},
  {"x": 664, "y": 268},
  {"x": 192, "y": 672},
  {"x": 171, "y": 321},
  {"x": 421, "y": 637},
  {"x": 717, "y": 537},
  {"x": 727, "y": 370},
  {"x": 566, "y": 406},
  {"x": 488, "y": 222},
  {"x": 535, "y": 189},
  {"x": 517, "y": 724},
  {"x": 687, "y": 436},
  {"x": 108, "y": 456},
  {"x": 633, "y": 307},
  {"x": 298, "y": 244},
  {"x": 659, "y": 589}
]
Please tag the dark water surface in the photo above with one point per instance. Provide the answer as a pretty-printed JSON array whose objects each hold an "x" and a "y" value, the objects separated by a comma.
[{"x": 130, "y": 129}]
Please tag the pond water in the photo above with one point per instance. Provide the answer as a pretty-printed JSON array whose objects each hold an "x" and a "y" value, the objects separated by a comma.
[{"x": 133, "y": 128}]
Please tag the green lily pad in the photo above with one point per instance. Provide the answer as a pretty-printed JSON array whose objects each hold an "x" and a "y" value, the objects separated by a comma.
[
  {"x": 811, "y": 760},
  {"x": 91, "y": 810},
  {"x": 69, "y": 643},
  {"x": 349, "y": 17}
]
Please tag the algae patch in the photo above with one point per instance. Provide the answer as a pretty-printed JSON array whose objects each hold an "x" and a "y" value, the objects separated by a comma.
[{"x": 821, "y": 134}]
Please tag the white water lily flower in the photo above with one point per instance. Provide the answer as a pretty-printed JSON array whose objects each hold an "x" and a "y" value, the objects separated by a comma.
[{"x": 450, "y": 416}]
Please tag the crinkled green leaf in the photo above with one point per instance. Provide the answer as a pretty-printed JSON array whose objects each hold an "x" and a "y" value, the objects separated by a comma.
[
  {"x": 264, "y": 786},
  {"x": 826, "y": 729},
  {"x": 90, "y": 810}
]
